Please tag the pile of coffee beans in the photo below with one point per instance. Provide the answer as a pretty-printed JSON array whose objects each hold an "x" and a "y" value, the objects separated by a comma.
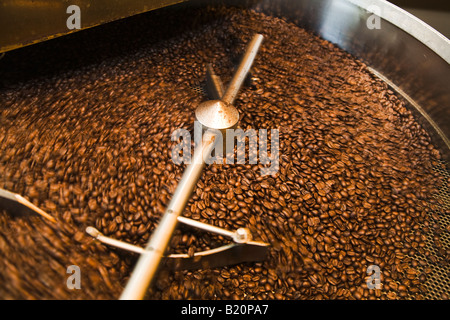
[{"x": 85, "y": 134}]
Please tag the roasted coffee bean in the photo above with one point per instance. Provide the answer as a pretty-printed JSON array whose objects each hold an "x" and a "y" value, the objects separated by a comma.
[{"x": 92, "y": 145}]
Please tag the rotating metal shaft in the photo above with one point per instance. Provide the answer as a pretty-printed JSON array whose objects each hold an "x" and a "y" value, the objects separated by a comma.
[
  {"x": 219, "y": 115},
  {"x": 242, "y": 71},
  {"x": 149, "y": 260}
]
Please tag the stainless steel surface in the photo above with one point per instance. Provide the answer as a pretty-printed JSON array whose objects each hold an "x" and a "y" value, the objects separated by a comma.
[
  {"x": 18, "y": 205},
  {"x": 206, "y": 227},
  {"x": 216, "y": 114},
  {"x": 149, "y": 261},
  {"x": 410, "y": 24},
  {"x": 243, "y": 69},
  {"x": 27, "y": 22},
  {"x": 438, "y": 19},
  {"x": 113, "y": 242},
  {"x": 242, "y": 235}
]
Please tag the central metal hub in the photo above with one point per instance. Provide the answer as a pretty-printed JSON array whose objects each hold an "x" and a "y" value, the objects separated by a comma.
[{"x": 217, "y": 114}]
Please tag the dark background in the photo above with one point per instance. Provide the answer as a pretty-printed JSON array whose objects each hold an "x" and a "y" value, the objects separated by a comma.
[
  {"x": 436, "y": 13},
  {"x": 424, "y": 4}
]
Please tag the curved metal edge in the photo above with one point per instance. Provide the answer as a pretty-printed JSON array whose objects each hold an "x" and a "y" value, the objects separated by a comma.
[
  {"x": 410, "y": 24},
  {"x": 414, "y": 104}
]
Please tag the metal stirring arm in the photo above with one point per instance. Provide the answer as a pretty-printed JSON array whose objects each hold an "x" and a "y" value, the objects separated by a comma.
[
  {"x": 217, "y": 115},
  {"x": 20, "y": 206},
  {"x": 242, "y": 250}
]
